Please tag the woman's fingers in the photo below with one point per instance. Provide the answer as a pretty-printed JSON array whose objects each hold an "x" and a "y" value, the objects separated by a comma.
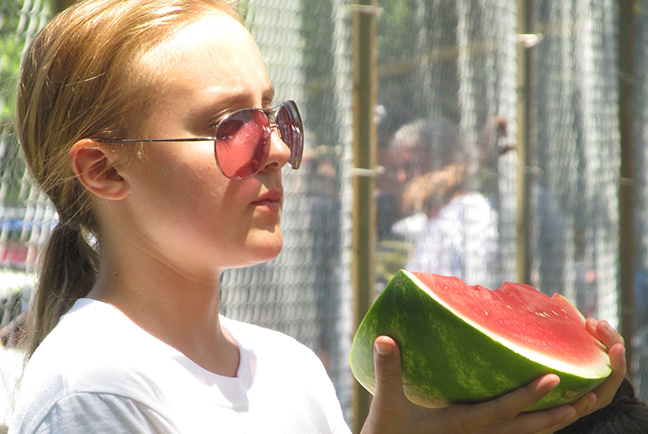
[
  {"x": 508, "y": 406},
  {"x": 387, "y": 368},
  {"x": 604, "y": 332},
  {"x": 606, "y": 390},
  {"x": 503, "y": 415},
  {"x": 537, "y": 422},
  {"x": 392, "y": 412}
]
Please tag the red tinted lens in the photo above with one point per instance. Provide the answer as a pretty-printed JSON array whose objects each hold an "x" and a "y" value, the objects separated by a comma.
[
  {"x": 241, "y": 143},
  {"x": 292, "y": 131}
]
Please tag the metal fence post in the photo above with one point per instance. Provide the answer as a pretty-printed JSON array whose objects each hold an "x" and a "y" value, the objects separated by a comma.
[
  {"x": 628, "y": 177},
  {"x": 364, "y": 161},
  {"x": 525, "y": 128}
]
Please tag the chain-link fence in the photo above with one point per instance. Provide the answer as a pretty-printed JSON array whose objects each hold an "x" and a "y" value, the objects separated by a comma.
[
  {"x": 640, "y": 339},
  {"x": 455, "y": 97},
  {"x": 305, "y": 291},
  {"x": 448, "y": 73}
]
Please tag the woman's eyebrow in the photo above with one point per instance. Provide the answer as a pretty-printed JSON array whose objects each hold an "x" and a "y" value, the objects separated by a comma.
[{"x": 218, "y": 100}]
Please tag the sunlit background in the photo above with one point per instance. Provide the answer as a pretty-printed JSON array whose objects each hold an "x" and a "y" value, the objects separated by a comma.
[{"x": 540, "y": 101}]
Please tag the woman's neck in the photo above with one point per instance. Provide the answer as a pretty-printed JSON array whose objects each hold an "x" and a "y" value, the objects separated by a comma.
[{"x": 178, "y": 309}]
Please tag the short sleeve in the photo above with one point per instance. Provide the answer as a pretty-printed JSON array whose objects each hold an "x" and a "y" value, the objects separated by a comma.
[{"x": 99, "y": 414}]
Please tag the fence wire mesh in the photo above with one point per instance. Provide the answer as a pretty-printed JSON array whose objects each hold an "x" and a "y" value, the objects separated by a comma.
[
  {"x": 448, "y": 132},
  {"x": 447, "y": 74},
  {"x": 640, "y": 340}
]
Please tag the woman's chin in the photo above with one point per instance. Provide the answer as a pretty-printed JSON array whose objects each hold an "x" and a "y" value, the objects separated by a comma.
[{"x": 266, "y": 249}]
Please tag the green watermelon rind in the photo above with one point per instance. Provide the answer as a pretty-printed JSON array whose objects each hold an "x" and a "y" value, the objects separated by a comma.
[{"x": 439, "y": 367}]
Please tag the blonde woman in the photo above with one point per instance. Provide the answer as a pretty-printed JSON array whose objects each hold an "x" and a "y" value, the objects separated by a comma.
[{"x": 151, "y": 126}]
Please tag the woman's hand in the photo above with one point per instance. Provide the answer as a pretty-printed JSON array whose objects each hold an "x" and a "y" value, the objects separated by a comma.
[
  {"x": 392, "y": 412},
  {"x": 604, "y": 393},
  {"x": 614, "y": 342}
]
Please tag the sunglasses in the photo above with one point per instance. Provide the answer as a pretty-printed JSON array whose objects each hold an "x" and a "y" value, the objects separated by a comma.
[{"x": 242, "y": 140}]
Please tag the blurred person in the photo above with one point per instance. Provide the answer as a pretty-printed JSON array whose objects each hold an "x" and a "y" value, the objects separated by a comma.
[
  {"x": 453, "y": 227},
  {"x": 151, "y": 126}
]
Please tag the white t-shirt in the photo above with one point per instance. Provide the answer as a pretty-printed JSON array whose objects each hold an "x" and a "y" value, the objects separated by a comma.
[
  {"x": 99, "y": 372},
  {"x": 462, "y": 240}
]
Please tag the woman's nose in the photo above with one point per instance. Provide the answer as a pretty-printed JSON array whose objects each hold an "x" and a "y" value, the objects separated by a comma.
[{"x": 279, "y": 152}]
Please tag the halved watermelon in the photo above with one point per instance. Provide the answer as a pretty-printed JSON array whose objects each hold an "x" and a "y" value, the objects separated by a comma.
[{"x": 466, "y": 344}]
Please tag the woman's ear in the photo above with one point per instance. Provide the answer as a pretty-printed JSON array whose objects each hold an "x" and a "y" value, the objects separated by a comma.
[{"x": 94, "y": 165}]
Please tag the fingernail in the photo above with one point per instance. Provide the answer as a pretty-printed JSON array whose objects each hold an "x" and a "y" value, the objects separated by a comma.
[{"x": 382, "y": 349}]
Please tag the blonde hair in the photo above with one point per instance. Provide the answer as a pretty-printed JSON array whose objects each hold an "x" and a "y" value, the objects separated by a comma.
[{"x": 80, "y": 79}]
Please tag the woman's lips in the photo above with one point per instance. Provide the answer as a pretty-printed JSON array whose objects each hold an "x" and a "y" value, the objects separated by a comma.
[{"x": 270, "y": 200}]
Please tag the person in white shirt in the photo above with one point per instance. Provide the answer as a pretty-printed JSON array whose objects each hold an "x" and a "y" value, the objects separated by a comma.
[
  {"x": 460, "y": 240},
  {"x": 150, "y": 124},
  {"x": 452, "y": 227}
]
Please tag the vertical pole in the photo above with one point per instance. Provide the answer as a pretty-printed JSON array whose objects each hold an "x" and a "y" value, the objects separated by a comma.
[
  {"x": 525, "y": 138},
  {"x": 364, "y": 160},
  {"x": 627, "y": 193}
]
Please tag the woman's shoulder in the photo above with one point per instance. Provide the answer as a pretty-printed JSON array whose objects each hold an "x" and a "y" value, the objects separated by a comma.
[
  {"x": 90, "y": 331},
  {"x": 92, "y": 353},
  {"x": 92, "y": 349}
]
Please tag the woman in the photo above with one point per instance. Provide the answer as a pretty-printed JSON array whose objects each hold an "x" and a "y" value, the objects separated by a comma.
[{"x": 119, "y": 104}]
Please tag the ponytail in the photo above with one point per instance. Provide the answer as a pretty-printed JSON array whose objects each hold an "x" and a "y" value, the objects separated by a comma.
[{"x": 68, "y": 272}]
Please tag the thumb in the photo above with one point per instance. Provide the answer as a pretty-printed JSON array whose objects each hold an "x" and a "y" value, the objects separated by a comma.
[
  {"x": 387, "y": 412},
  {"x": 387, "y": 367}
]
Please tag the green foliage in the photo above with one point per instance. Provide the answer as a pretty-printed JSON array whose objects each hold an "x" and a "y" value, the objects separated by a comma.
[
  {"x": 395, "y": 30},
  {"x": 11, "y": 48},
  {"x": 320, "y": 103},
  {"x": 16, "y": 24},
  {"x": 416, "y": 46}
]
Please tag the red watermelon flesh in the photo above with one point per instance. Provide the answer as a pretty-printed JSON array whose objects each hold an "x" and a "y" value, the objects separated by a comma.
[
  {"x": 521, "y": 314},
  {"x": 466, "y": 344}
]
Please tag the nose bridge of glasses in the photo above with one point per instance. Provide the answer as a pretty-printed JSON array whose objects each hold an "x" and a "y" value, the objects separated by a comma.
[
  {"x": 277, "y": 144},
  {"x": 273, "y": 123},
  {"x": 271, "y": 114},
  {"x": 274, "y": 115},
  {"x": 274, "y": 127}
]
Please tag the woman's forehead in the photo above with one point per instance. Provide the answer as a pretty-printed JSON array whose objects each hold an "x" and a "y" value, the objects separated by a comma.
[
  {"x": 217, "y": 51},
  {"x": 207, "y": 68},
  {"x": 217, "y": 34}
]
